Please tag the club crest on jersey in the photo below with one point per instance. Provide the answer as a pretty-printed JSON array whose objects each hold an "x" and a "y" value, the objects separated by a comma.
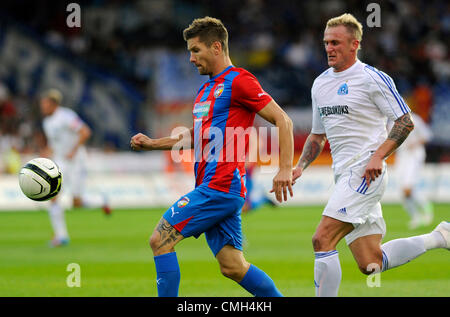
[
  {"x": 343, "y": 90},
  {"x": 219, "y": 90},
  {"x": 183, "y": 202}
]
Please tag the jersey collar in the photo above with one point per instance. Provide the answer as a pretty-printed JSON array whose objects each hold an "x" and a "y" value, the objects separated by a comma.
[{"x": 221, "y": 73}]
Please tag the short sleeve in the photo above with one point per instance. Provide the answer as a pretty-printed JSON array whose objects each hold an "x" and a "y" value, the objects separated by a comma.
[
  {"x": 384, "y": 94},
  {"x": 247, "y": 92},
  {"x": 317, "y": 125},
  {"x": 72, "y": 120}
]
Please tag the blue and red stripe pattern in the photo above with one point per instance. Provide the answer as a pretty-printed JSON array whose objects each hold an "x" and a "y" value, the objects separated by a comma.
[{"x": 225, "y": 102}]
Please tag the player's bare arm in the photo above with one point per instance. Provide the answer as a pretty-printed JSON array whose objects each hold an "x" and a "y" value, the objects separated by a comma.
[
  {"x": 400, "y": 131},
  {"x": 84, "y": 134},
  {"x": 313, "y": 147},
  {"x": 398, "y": 134},
  {"x": 141, "y": 142},
  {"x": 282, "y": 182}
]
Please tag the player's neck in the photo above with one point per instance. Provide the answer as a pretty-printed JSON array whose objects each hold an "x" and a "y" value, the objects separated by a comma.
[
  {"x": 221, "y": 65},
  {"x": 346, "y": 66}
]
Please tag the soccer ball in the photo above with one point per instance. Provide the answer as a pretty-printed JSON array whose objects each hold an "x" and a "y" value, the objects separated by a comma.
[{"x": 40, "y": 179}]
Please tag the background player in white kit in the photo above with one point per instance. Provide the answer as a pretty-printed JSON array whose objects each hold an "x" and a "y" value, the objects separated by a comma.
[
  {"x": 351, "y": 103},
  {"x": 409, "y": 162},
  {"x": 66, "y": 135}
]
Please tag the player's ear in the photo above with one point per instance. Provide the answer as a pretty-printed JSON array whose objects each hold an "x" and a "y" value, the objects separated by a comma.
[
  {"x": 217, "y": 47},
  {"x": 355, "y": 45}
]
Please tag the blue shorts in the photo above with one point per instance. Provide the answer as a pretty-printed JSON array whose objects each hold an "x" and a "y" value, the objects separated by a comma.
[{"x": 209, "y": 211}]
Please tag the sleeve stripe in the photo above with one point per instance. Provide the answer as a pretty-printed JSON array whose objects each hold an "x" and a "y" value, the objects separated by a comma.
[
  {"x": 394, "y": 92},
  {"x": 392, "y": 87}
]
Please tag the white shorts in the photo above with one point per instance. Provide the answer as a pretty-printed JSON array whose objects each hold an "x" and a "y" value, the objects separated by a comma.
[
  {"x": 408, "y": 167},
  {"x": 353, "y": 202},
  {"x": 73, "y": 175}
]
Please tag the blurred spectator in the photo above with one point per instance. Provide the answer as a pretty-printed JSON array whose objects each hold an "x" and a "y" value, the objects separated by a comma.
[{"x": 280, "y": 41}]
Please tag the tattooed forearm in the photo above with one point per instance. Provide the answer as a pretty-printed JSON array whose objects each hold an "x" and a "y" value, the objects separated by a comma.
[
  {"x": 312, "y": 148},
  {"x": 401, "y": 129}
]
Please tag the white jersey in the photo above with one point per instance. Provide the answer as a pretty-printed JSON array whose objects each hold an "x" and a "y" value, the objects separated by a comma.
[
  {"x": 61, "y": 129},
  {"x": 352, "y": 108},
  {"x": 410, "y": 156}
]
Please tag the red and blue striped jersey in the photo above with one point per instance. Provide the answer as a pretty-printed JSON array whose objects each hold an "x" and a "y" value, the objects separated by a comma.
[{"x": 223, "y": 114}]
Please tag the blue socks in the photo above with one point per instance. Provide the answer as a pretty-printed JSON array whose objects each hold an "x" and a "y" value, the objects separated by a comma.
[
  {"x": 259, "y": 283},
  {"x": 255, "y": 281},
  {"x": 167, "y": 274}
]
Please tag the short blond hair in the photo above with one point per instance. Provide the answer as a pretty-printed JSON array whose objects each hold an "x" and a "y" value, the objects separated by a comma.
[
  {"x": 53, "y": 94},
  {"x": 353, "y": 26}
]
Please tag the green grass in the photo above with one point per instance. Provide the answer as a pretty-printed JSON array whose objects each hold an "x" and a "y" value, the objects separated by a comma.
[{"x": 115, "y": 258}]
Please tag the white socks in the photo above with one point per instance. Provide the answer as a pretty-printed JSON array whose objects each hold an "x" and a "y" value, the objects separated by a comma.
[
  {"x": 327, "y": 273},
  {"x": 400, "y": 251},
  {"x": 410, "y": 206},
  {"x": 58, "y": 221},
  {"x": 327, "y": 269}
]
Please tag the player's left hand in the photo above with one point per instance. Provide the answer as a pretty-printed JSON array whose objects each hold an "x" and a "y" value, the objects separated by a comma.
[
  {"x": 373, "y": 169},
  {"x": 282, "y": 182},
  {"x": 71, "y": 154}
]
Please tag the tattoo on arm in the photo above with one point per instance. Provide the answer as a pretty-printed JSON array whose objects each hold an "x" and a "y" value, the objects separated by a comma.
[
  {"x": 167, "y": 232},
  {"x": 311, "y": 151},
  {"x": 401, "y": 129}
]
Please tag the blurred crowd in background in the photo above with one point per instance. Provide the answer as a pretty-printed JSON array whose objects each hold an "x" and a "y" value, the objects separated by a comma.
[{"x": 279, "y": 41}]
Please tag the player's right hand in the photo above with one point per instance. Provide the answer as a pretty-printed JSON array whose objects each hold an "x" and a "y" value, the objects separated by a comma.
[
  {"x": 282, "y": 183},
  {"x": 140, "y": 142}
]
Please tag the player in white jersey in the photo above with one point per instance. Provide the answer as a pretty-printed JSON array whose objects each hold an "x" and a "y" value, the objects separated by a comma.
[
  {"x": 66, "y": 135},
  {"x": 351, "y": 104},
  {"x": 409, "y": 162}
]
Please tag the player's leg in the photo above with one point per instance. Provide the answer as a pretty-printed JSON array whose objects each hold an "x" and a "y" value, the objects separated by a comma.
[
  {"x": 225, "y": 238},
  {"x": 327, "y": 268},
  {"x": 58, "y": 222},
  {"x": 411, "y": 207},
  {"x": 187, "y": 217},
  {"x": 80, "y": 199},
  {"x": 419, "y": 209},
  {"x": 367, "y": 253},
  {"x": 234, "y": 266},
  {"x": 56, "y": 212},
  {"x": 162, "y": 242},
  {"x": 371, "y": 255},
  {"x": 400, "y": 251}
]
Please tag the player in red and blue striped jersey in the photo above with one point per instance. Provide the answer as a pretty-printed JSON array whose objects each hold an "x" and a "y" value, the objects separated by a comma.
[{"x": 223, "y": 115}]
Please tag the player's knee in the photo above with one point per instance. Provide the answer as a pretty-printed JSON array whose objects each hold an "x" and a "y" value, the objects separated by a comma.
[
  {"x": 370, "y": 266},
  {"x": 235, "y": 272},
  {"x": 77, "y": 202},
  {"x": 320, "y": 242},
  {"x": 155, "y": 242},
  {"x": 407, "y": 192},
  {"x": 228, "y": 272}
]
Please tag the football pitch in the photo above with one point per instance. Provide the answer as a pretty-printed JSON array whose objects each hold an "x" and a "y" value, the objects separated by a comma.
[{"x": 115, "y": 259}]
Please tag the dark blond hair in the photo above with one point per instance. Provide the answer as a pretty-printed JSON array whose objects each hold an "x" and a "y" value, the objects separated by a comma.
[
  {"x": 209, "y": 30},
  {"x": 354, "y": 27},
  {"x": 54, "y": 95}
]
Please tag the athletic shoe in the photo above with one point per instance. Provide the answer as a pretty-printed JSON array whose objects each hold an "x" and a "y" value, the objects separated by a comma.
[
  {"x": 106, "y": 210},
  {"x": 415, "y": 223},
  {"x": 55, "y": 243},
  {"x": 444, "y": 229},
  {"x": 428, "y": 214}
]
